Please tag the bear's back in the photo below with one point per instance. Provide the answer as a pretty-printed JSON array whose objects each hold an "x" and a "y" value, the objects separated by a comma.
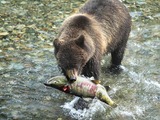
[
  {"x": 112, "y": 16},
  {"x": 105, "y": 9}
]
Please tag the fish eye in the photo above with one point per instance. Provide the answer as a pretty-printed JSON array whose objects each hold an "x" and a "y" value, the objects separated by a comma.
[{"x": 55, "y": 81}]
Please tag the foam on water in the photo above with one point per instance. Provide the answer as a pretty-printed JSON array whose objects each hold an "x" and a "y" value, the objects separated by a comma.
[
  {"x": 126, "y": 113},
  {"x": 153, "y": 83},
  {"x": 94, "y": 106}
]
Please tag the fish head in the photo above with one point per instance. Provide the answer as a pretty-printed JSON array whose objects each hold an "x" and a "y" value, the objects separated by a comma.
[{"x": 59, "y": 82}]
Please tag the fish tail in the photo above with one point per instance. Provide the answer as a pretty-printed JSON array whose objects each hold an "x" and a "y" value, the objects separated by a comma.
[{"x": 103, "y": 96}]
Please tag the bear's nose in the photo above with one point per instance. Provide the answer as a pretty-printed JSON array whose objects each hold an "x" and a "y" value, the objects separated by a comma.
[
  {"x": 72, "y": 79},
  {"x": 72, "y": 75}
]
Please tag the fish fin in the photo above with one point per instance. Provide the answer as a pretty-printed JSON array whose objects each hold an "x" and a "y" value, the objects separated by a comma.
[
  {"x": 108, "y": 88},
  {"x": 96, "y": 81}
]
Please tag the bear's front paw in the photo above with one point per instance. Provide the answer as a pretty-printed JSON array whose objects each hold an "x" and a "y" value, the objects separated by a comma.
[{"x": 115, "y": 69}]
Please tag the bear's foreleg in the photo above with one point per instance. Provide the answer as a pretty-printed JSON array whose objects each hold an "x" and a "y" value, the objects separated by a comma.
[
  {"x": 92, "y": 69},
  {"x": 116, "y": 59}
]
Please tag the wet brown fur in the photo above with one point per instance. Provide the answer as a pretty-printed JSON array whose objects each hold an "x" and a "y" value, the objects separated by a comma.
[{"x": 100, "y": 26}]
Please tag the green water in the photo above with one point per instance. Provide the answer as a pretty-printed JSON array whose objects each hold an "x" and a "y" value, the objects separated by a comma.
[{"x": 27, "y": 61}]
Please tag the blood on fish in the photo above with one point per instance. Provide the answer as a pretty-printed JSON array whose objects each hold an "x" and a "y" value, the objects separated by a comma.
[{"x": 66, "y": 89}]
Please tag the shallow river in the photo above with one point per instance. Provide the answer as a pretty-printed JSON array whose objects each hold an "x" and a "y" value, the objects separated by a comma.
[{"x": 27, "y": 61}]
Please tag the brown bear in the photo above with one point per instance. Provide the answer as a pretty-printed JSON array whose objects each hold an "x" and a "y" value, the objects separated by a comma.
[{"x": 100, "y": 27}]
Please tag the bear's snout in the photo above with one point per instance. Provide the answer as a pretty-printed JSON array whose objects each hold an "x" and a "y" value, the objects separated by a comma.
[{"x": 72, "y": 75}]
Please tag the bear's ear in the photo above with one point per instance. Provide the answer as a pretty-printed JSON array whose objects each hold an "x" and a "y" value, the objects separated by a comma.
[
  {"x": 80, "y": 41},
  {"x": 56, "y": 44}
]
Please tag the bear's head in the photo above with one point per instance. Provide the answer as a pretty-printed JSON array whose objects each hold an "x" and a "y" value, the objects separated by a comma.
[{"x": 72, "y": 55}]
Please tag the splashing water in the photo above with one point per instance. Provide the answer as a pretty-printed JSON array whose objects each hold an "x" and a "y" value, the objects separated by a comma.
[{"x": 86, "y": 113}]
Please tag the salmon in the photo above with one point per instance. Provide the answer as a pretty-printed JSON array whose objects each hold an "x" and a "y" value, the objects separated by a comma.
[{"x": 82, "y": 87}]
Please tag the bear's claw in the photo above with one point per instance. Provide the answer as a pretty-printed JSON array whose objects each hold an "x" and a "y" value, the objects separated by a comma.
[{"x": 96, "y": 81}]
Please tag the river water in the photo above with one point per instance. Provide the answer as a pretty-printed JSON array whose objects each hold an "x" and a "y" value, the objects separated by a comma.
[{"x": 27, "y": 61}]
